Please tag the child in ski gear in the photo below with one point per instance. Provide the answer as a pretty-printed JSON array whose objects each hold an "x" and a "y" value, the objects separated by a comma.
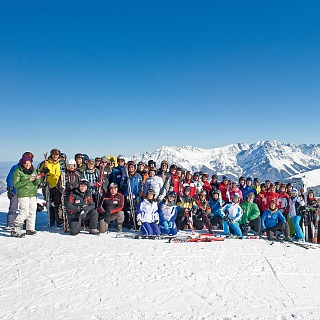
[
  {"x": 72, "y": 176},
  {"x": 234, "y": 188},
  {"x": 273, "y": 220},
  {"x": 153, "y": 182},
  {"x": 111, "y": 209},
  {"x": 51, "y": 168},
  {"x": 163, "y": 171},
  {"x": 26, "y": 181},
  {"x": 187, "y": 207},
  {"x": 188, "y": 182},
  {"x": 206, "y": 184},
  {"x": 80, "y": 206},
  {"x": 147, "y": 214},
  {"x": 168, "y": 211},
  {"x": 224, "y": 189},
  {"x": 250, "y": 218},
  {"x": 296, "y": 210},
  {"x": 231, "y": 213},
  {"x": 311, "y": 216}
]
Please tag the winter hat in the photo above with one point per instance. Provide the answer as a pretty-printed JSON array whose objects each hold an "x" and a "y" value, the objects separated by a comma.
[
  {"x": 24, "y": 159},
  {"x": 104, "y": 159}
]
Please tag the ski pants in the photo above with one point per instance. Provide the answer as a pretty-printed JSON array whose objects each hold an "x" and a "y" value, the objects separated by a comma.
[
  {"x": 280, "y": 226},
  {"x": 55, "y": 198},
  {"x": 168, "y": 227},
  {"x": 75, "y": 221},
  {"x": 105, "y": 221},
  {"x": 12, "y": 212},
  {"x": 28, "y": 209},
  {"x": 150, "y": 228},
  {"x": 296, "y": 223},
  {"x": 234, "y": 226}
]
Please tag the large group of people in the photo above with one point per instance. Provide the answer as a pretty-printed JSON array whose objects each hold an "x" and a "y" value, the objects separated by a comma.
[{"x": 105, "y": 190}]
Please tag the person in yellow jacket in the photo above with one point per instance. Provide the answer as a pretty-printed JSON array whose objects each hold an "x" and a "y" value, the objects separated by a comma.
[{"x": 51, "y": 168}]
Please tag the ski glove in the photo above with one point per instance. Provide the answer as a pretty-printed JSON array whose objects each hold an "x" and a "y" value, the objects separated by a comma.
[
  {"x": 45, "y": 170},
  {"x": 85, "y": 208},
  {"x": 139, "y": 223},
  {"x": 10, "y": 192},
  {"x": 83, "y": 215}
]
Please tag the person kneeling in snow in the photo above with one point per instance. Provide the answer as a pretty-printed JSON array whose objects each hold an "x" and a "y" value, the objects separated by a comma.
[
  {"x": 231, "y": 214},
  {"x": 80, "y": 206},
  {"x": 272, "y": 220},
  {"x": 168, "y": 211},
  {"x": 147, "y": 214}
]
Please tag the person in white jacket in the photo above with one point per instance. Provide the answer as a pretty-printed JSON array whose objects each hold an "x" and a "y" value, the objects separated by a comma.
[
  {"x": 153, "y": 182},
  {"x": 147, "y": 214}
]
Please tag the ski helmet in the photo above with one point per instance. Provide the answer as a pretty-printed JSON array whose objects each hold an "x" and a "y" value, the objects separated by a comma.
[
  {"x": 121, "y": 157},
  {"x": 78, "y": 155},
  {"x": 85, "y": 158},
  {"x": 71, "y": 162},
  {"x": 236, "y": 196},
  {"x": 55, "y": 151},
  {"x": 85, "y": 182},
  {"x": 294, "y": 190},
  {"x": 203, "y": 193},
  {"x": 152, "y": 191},
  {"x": 172, "y": 194},
  {"x": 113, "y": 185},
  {"x": 131, "y": 163}
]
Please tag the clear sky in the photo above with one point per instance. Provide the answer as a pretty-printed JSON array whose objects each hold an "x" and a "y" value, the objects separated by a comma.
[{"x": 123, "y": 77}]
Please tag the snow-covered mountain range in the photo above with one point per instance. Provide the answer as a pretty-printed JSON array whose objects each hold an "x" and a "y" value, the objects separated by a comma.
[{"x": 265, "y": 159}]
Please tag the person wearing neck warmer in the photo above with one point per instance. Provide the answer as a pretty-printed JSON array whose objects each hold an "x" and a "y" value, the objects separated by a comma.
[{"x": 26, "y": 180}]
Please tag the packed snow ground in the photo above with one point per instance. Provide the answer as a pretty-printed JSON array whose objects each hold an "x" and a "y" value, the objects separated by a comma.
[{"x": 56, "y": 276}]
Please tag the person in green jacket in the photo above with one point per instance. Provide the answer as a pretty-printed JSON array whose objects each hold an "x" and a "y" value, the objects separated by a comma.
[
  {"x": 251, "y": 216},
  {"x": 26, "y": 180}
]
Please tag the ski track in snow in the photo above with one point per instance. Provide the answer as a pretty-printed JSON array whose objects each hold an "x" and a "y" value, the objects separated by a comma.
[{"x": 55, "y": 276}]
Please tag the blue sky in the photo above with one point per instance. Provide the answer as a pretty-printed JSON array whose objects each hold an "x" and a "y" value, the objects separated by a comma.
[{"x": 121, "y": 77}]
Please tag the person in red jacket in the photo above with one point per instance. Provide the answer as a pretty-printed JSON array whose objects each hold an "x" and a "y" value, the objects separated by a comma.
[
  {"x": 111, "y": 209},
  {"x": 261, "y": 199},
  {"x": 206, "y": 184},
  {"x": 272, "y": 195},
  {"x": 283, "y": 200},
  {"x": 188, "y": 182},
  {"x": 224, "y": 188}
]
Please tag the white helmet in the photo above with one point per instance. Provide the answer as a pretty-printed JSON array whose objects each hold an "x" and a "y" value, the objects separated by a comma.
[{"x": 71, "y": 162}]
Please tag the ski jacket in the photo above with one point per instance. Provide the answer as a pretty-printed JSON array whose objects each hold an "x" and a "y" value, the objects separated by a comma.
[
  {"x": 233, "y": 191},
  {"x": 206, "y": 187},
  {"x": 272, "y": 196},
  {"x": 203, "y": 205},
  {"x": 270, "y": 218},
  {"x": 104, "y": 178},
  {"x": 163, "y": 174},
  {"x": 117, "y": 174},
  {"x": 148, "y": 211},
  {"x": 9, "y": 179},
  {"x": 198, "y": 185},
  {"x": 154, "y": 183},
  {"x": 189, "y": 183},
  {"x": 283, "y": 202},
  {"x": 231, "y": 210},
  {"x": 76, "y": 200},
  {"x": 54, "y": 172},
  {"x": 296, "y": 205},
  {"x": 247, "y": 190},
  {"x": 133, "y": 183},
  {"x": 215, "y": 206},
  {"x": 21, "y": 180},
  {"x": 112, "y": 203},
  {"x": 258, "y": 189},
  {"x": 81, "y": 167},
  {"x": 167, "y": 212},
  {"x": 187, "y": 202},
  {"x": 72, "y": 180},
  {"x": 92, "y": 175},
  {"x": 250, "y": 211},
  {"x": 172, "y": 183},
  {"x": 262, "y": 201},
  {"x": 224, "y": 188}
]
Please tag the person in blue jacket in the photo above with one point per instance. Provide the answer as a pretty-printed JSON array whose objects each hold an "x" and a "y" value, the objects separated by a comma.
[
  {"x": 118, "y": 172},
  {"x": 215, "y": 203},
  {"x": 131, "y": 183},
  {"x": 249, "y": 189},
  {"x": 12, "y": 193},
  {"x": 272, "y": 220},
  {"x": 168, "y": 211}
]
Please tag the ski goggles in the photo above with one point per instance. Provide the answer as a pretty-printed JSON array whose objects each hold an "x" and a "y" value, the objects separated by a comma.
[{"x": 28, "y": 154}]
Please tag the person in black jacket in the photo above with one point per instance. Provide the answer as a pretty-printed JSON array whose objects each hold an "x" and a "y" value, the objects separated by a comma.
[
  {"x": 111, "y": 209},
  {"x": 80, "y": 206}
]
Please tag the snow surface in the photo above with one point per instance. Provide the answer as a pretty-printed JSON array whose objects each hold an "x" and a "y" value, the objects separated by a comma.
[{"x": 56, "y": 276}]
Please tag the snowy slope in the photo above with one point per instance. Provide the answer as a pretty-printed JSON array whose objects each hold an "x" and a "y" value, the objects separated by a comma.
[{"x": 55, "y": 276}]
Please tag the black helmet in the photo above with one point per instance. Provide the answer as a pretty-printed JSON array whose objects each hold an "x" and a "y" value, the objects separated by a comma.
[
  {"x": 78, "y": 155},
  {"x": 85, "y": 182}
]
